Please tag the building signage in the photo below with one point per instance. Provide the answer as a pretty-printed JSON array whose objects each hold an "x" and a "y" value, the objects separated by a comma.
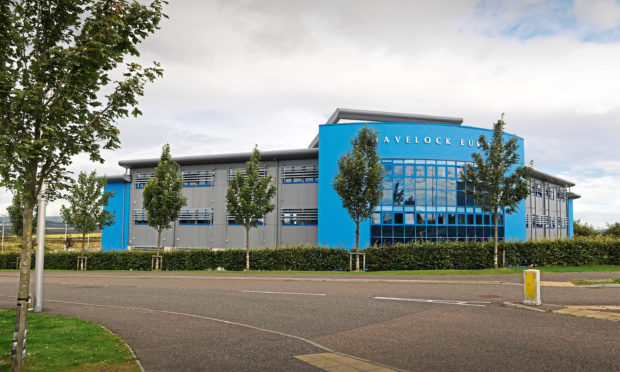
[{"x": 431, "y": 140}]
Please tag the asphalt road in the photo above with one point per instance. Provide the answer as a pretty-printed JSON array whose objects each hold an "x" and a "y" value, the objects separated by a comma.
[{"x": 233, "y": 322}]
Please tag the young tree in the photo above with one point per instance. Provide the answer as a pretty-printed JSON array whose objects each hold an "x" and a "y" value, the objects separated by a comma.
[
  {"x": 86, "y": 201},
  {"x": 55, "y": 63},
  {"x": 358, "y": 181},
  {"x": 584, "y": 229},
  {"x": 248, "y": 199},
  {"x": 163, "y": 196},
  {"x": 488, "y": 181}
]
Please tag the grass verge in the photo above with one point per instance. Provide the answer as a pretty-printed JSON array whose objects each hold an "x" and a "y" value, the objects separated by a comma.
[
  {"x": 66, "y": 344},
  {"x": 595, "y": 281}
]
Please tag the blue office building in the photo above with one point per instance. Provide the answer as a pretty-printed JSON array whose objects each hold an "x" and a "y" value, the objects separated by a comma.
[{"x": 423, "y": 196}]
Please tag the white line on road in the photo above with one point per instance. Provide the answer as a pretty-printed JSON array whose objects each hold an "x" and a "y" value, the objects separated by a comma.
[
  {"x": 287, "y": 293},
  {"x": 446, "y": 302}
]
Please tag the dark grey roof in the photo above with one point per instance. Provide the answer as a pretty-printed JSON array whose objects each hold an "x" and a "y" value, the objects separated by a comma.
[
  {"x": 572, "y": 195},
  {"x": 118, "y": 178},
  {"x": 549, "y": 178},
  {"x": 298, "y": 154},
  {"x": 382, "y": 116}
]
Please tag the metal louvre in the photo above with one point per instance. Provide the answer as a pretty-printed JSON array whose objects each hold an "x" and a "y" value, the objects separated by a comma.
[
  {"x": 139, "y": 216},
  {"x": 307, "y": 216},
  {"x": 196, "y": 216},
  {"x": 231, "y": 220},
  {"x": 262, "y": 171},
  {"x": 142, "y": 178},
  {"x": 561, "y": 193},
  {"x": 300, "y": 174},
  {"x": 199, "y": 178}
]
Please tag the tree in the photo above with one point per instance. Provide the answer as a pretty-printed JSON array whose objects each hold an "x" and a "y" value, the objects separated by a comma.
[
  {"x": 16, "y": 213},
  {"x": 86, "y": 201},
  {"x": 612, "y": 230},
  {"x": 163, "y": 196},
  {"x": 584, "y": 229},
  {"x": 248, "y": 199},
  {"x": 358, "y": 181},
  {"x": 490, "y": 181},
  {"x": 58, "y": 98}
]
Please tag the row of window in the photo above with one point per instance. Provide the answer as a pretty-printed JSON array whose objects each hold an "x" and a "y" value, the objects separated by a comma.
[
  {"x": 299, "y": 216},
  {"x": 550, "y": 192},
  {"x": 206, "y": 178},
  {"x": 387, "y": 235},
  {"x": 420, "y": 218},
  {"x": 550, "y": 222}
]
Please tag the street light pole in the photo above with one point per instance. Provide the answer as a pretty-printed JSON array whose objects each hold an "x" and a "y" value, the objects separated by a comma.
[{"x": 38, "y": 274}]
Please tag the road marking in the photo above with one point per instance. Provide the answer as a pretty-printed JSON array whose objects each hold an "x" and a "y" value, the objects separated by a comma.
[
  {"x": 334, "y": 362},
  {"x": 147, "y": 310},
  {"x": 446, "y": 302},
  {"x": 287, "y": 293},
  {"x": 556, "y": 284}
]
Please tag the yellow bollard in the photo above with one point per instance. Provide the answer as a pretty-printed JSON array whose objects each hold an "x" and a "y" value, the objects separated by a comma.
[{"x": 531, "y": 287}]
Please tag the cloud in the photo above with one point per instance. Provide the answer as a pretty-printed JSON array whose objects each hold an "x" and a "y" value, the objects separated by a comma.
[{"x": 239, "y": 73}]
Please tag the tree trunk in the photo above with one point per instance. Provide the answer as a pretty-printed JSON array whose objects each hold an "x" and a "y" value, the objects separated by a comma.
[
  {"x": 82, "y": 263},
  {"x": 247, "y": 248},
  {"x": 158, "y": 243},
  {"x": 23, "y": 294},
  {"x": 357, "y": 246},
  {"x": 495, "y": 242}
]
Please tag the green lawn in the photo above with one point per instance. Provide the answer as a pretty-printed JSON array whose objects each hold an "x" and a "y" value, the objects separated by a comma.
[
  {"x": 594, "y": 281},
  {"x": 65, "y": 344}
]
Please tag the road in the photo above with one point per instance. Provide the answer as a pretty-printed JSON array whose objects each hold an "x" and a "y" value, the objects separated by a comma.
[{"x": 249, "y": 322}]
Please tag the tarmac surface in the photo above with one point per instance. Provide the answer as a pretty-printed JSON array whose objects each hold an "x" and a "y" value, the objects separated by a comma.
[{"x": 277, "y": 322}]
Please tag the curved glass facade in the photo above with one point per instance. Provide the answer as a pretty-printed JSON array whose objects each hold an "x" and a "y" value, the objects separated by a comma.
[{"x": 425, "y": 200}]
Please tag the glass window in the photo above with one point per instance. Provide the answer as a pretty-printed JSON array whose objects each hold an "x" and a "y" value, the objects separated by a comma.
[
  {"x": 470, "y": 219},
  {"x": 388, "y": 170},
  {"x": 430, "y": 171},
  {"x": 420, "y": 197},
  {"x": 409, "y": 197},
  {"x": 451, "y": 172},
  {"x": 398, "y": 218},
  {"x": 478, "y": 219},
  {"x": 441, "y": 218},
  {"x": 487, "y": 219},
  {"x": 420, "y": 183},
  {"x": 398, "y": 197},
  {"x": 419, "y": 172},
  {"x": 409, "y": 220},
  {"x": 430, "y": 218},
  {"x": 451, "y": 219},
  {"x": 409, "y": 171},
  {"x": 420, "y": 220},
  {"x": 441, "y": 171},
  {"x": 387, "y": 197},
  {"x": 387, "y": 218},
  {"x": 461, "y": 219},
  {"x": 376, "y": 218},
  {"x": 398, "y": 170},
  {"x": 387, "y": 183}
]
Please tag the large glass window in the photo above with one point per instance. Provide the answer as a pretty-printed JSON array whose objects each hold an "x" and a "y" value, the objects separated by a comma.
[{"x": 425, "y": 200}]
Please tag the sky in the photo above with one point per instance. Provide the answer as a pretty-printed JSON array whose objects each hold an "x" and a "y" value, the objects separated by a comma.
[{"x": 244, "y": 72}]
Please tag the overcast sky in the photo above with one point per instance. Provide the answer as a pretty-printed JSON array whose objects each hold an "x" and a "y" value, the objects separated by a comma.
[{"x": 268, "y": 72}]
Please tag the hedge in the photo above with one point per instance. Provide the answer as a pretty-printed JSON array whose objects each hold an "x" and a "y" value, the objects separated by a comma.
[{"x": 411, "y": 256}]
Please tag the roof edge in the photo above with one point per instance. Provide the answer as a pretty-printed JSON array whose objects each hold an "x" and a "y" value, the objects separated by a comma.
[
  {"x": 296, "y": 154},
  {"x": 550, "y": 178}
]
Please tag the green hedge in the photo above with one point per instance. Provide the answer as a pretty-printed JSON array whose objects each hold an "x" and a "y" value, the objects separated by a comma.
[{"x": 412, "y": 256}]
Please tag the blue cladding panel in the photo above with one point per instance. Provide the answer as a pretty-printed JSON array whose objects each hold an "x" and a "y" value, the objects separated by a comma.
[
  {"x": 115, "y": 237},
  {"x": 571, "y": 227},
  {"x": 400, "y": 141}
]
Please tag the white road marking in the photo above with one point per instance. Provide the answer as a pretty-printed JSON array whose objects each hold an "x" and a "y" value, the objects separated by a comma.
[
  {"x": 446, "y": 302},
  {"x": 287, "y": 293}
]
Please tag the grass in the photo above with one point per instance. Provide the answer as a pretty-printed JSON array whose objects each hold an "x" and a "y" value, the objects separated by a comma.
[
  {"x": 66, "y": 344},
  {"x": 596, "y": 281},
  {"x": 54, "y": 242}
]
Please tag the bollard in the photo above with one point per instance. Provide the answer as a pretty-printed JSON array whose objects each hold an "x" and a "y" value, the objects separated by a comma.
[{"x": 531, "y": 287}]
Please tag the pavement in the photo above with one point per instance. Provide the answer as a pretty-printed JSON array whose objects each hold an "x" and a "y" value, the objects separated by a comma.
[{"x": 247, "y": 322}]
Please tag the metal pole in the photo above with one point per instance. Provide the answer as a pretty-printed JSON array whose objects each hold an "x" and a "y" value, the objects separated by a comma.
[
  {"x": 38, "y": 274},
  {"x": 2, "y": 234}
]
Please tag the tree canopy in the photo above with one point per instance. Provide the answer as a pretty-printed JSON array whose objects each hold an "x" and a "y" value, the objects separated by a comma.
[
  {"x": 86, "y": 201},
  {"x": 491, "y": 181},
  {"x": 163, "y": 194},
  {"x": 249, "y": 196},
  {"x": 358, "y": 179},
  {"x": 584, "y": 229}
]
